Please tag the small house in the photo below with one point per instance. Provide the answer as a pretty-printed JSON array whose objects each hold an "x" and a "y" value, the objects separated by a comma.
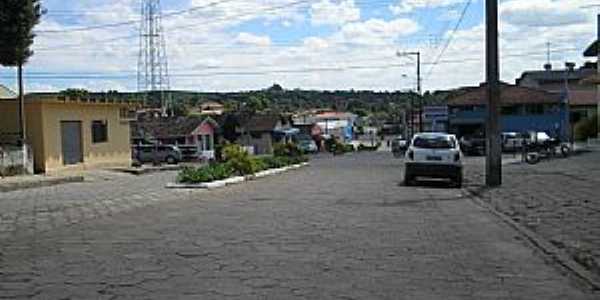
[
  {"x": 72, "y": 133},
  {"x": 523, "y": 109},
  {"x": 196, "y": 135},
  {"x": 258, "y": 132}
]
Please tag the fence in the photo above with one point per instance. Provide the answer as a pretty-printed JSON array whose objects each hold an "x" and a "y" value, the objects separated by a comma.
[{"x": 15, "y": 160}]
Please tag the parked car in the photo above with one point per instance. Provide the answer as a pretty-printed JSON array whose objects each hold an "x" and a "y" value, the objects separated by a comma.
[
  {"x": 514, "y": 141},
  {"x": 308, "y": 146},
  {"x": 160, "y": 153},
  {"x": 399, "y": 146},
  {"x": 473, "y": 144},
  {"x": 435, "y": 155}
]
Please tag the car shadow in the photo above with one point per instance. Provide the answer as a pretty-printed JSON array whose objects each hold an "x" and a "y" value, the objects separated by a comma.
[{"x": 429, "y": 183}]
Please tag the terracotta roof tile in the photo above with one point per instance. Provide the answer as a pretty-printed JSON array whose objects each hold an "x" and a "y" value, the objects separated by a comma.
[{"x": 509, "y": 94}]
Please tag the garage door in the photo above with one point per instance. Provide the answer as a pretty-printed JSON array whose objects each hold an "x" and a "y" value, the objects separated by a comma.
[{"x": 71, "y": 142}]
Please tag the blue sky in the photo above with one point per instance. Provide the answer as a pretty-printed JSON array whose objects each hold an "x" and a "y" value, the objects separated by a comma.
[{"x": 225, "y": 45}]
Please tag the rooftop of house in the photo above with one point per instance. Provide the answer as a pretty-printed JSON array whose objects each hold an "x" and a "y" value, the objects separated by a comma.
[
  {"x": 592, "y": 50},
  {"x": 593, "y": 79},
  {"x": 335, "y": 114},
  {"x": 550, "y": 75},
  {"x": 259, "y": 123},
  {"x": 6, "y": 93},
  {"x": 509, "y": 94},
  {"x": 211, "y": 104},
  {"x": 170, "y": 127}
]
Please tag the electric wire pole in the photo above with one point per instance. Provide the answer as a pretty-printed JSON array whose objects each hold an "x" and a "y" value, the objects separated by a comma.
[
  {"x": 418, "y": 55},
  {"x": 493, "y": 166}
]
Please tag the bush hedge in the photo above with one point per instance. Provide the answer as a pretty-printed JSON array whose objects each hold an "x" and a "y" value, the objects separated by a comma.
[
  {"x": 587, "y": 128},
  {"x": 220, "y": 171}
]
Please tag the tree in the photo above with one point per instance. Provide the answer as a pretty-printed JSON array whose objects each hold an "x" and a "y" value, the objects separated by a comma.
[{"x": 17, "y": 19}]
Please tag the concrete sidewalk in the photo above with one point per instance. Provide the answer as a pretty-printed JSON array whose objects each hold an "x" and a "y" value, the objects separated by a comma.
[
  {"x": 557, "y": 199},
  {"x": 9, "y": 184}
]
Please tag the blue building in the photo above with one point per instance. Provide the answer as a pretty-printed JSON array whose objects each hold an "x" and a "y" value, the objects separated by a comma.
[{"x": 523, "y": 109}]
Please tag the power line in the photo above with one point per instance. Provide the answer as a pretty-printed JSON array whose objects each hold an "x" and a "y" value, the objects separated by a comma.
[
  {"x": 119, "y": 24},
  {"x": 282, "y": 71},
  {"x": 458, "y": 23},
  {"x": 268, "y": 9}
]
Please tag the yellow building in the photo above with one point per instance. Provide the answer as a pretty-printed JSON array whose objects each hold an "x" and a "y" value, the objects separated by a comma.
[{"x": 72, "y": 134}]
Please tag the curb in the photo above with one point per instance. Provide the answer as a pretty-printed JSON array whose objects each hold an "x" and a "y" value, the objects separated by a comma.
[
  {"x": 15, "y": 186},
  {"x": 558, "y": 255},
  {"x": 142, "y": 171},
  {"x": 234, "y": 180}
]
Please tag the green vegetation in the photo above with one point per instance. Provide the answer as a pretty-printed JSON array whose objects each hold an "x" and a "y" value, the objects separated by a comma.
[
  {"x": 286, "y": 150},
  {"x": 337, "y": 148},
  {"x": 587, "y": 128},
  {"x": 239, "y": 162},
  {"x": 17, "y": 20}
]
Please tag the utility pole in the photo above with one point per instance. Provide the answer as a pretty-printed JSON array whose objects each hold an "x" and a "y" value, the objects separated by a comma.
[
  {"x": 418, "y": 55},
  {"x": 493, "y": 166}
]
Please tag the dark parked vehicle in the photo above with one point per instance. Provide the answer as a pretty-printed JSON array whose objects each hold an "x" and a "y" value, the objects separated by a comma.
[
  {"x": 399, "y": 146},
  {"x": 157, "y": 153},
  {"x": 473, "y": 144}
]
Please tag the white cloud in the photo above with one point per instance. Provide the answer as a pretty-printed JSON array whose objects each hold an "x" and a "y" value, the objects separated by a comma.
[
  {"x": 378, "y": 31},
  {"x": 408, "y": 6},
  {"x": 543, "y": 12},
  {"x": 327, "y": 12},
  {"x": 315, "y": 43},
  {"x": 219, "y": 54},
  {"x": 251, "y": 39}
]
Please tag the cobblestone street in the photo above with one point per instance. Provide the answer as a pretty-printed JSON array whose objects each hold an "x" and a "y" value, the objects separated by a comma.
[
  {"x": 344, "y": 228},
  {"x": 560, "y": 200}
]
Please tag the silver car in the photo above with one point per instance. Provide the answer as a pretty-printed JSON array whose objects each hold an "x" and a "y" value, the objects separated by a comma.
[{"x": 157, "y": 153}]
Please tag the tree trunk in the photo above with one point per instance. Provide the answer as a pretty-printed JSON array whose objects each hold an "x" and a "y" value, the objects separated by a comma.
[{"x": 21, "y": 105}]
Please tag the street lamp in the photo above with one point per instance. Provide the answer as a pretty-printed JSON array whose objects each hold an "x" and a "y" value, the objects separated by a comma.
[{"x": 418, "y": 55}]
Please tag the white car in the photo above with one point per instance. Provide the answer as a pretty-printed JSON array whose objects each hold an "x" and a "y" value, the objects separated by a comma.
[{"x": 434, "y": 155}]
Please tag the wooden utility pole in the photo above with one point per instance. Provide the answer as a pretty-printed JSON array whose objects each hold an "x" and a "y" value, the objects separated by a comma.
[
  {"x": 419, "y": 92},
  {"x": 493, "y": 167},
  {"x": 598, "y": 70},
  {"x": 22, "y": 129}
]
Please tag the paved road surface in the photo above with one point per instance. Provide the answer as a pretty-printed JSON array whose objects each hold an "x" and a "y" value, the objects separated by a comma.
[{"x": 342, "y": 229}]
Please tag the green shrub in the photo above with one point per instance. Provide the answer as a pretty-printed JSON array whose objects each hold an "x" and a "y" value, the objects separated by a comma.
[
  {"x": 286, "y": 149},
  {"x": 221, "y": 171},
  {"x": 586, "y": 128},
  {"x": 239, "y": 160},
  {"x": 258, "y": 164},
  {"x": 205, "y": 174},
  {"x": 195, "y": 175},
  {"x": 274, "y": 162}
]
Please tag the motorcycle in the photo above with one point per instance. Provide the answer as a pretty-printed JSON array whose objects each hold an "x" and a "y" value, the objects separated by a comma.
[{"x": 534, "y": 152}]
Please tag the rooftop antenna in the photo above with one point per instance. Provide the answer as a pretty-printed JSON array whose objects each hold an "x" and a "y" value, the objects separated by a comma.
[
  {"x": 548, "y": 65},
  {"x": 548, "y": 52}
]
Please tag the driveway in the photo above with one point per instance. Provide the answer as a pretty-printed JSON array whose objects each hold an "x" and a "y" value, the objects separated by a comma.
[{"x": 344, "y": 228}]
